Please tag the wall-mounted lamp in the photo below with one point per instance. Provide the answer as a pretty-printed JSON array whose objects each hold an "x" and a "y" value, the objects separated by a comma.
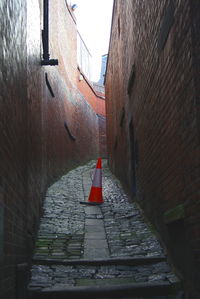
[
  {"x": 74, "y": 6},
  {"x": 80, "y": 77}
]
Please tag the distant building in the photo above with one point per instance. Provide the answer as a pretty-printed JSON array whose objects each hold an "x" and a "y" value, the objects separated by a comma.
[
  {"x": 103, "y": 68},
  {"x": 83, "y": 56}
]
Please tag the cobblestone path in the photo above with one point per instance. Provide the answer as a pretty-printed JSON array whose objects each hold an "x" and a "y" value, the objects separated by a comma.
[{"x": 104, "y": 247}]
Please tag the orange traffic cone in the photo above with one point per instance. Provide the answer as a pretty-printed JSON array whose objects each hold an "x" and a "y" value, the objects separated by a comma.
[
  {"x": 95, "y": 196},
  {"x": 96, "y": 189}
]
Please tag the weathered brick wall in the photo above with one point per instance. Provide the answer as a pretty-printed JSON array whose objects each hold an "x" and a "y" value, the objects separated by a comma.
[
  {"x": 97, "y": 102},
  {"x": 102, "y": 136},
  {"x": 153, "y": 118},
  {"x": 35, "y": 145},
  {"x": 13, "y": 136}
]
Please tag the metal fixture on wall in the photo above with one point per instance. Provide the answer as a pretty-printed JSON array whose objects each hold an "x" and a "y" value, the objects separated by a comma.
[
  {"x": 45, "y": 36},
  {"x": 131, "y": 80},
  {"x": 122, "y": 117},
  {"x": 49, "y": 86},
  {"x": 68, "y": 131}
]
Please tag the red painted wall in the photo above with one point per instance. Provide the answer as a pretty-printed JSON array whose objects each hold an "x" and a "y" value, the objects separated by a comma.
[{"x": 153, "y": 119}]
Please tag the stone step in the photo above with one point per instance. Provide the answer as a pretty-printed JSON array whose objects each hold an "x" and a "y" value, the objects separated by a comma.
[
  {"x": 66, "y": 280},
  {"x": 130, "y": 290},
  {"x": 108, "y": 261}
]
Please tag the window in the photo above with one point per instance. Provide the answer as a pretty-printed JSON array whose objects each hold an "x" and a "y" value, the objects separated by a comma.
[{"x": 83, "y": 57}]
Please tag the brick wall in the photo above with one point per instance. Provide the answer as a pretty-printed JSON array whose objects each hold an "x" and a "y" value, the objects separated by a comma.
[
  {"x": 86, "y": 88},
  {"x": 152, "y": 117},
  {"x": 46, "y": 126},
  {"x": 97, "y": 101},
  {"x": 13, "y": 135},
  {"x": 102, "y": 136}
]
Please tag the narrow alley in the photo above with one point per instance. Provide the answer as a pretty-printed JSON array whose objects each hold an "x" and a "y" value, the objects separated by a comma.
[
  {"x": 139, "y": 113},
  {"x": 105, "y": 250}
]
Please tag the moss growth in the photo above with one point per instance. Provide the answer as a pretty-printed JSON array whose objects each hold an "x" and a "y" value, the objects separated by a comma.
[{"x": 174, "y": 214}]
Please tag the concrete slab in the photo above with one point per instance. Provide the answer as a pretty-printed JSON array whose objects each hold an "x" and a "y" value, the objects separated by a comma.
[
  {"x": 95, "y": 253},
  {"x": 94, "y": 229},
  {"x": 92, "y": 210},
  {"x": 95, "y": 243},
  {"x": 94, "y": 236},
  {"x": 95, "y": 222}
]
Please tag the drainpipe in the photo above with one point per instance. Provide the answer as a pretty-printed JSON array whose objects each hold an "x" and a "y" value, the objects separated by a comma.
[{"x": 45, "y": 37}]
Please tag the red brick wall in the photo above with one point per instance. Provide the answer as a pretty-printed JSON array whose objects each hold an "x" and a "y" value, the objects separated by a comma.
[
  {"x": 35, "y": 147},
  {"x": 161, "y": 151},
  {"x": 13, "y": 136},
  {"x": 85, "y": 87},
  {"x": 97, "y": 102},
  {"x": 102, "y": 136}
]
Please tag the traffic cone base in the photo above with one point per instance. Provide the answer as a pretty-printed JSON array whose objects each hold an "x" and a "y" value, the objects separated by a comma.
[
  {"x": 87, "y": 203},
  {"x": 95, "y": 195}
]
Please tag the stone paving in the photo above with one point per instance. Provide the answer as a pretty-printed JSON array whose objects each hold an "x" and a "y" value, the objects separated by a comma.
[
  {"x": 70, "y": 231},
  {"x": 58, "y": 276}
]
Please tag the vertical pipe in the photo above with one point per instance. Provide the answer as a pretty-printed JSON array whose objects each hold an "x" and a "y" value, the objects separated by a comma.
[{"x": 45, "y": 32}]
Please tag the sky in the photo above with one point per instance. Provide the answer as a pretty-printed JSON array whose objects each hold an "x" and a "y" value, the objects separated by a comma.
[{"x": 93, "y": 23}]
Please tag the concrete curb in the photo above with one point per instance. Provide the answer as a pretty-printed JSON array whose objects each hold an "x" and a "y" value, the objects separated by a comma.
[{"x": 133, "y": 290}]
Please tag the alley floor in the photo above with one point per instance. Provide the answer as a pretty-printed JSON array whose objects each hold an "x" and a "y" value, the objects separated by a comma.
[{"x": 107, "y": 250}]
